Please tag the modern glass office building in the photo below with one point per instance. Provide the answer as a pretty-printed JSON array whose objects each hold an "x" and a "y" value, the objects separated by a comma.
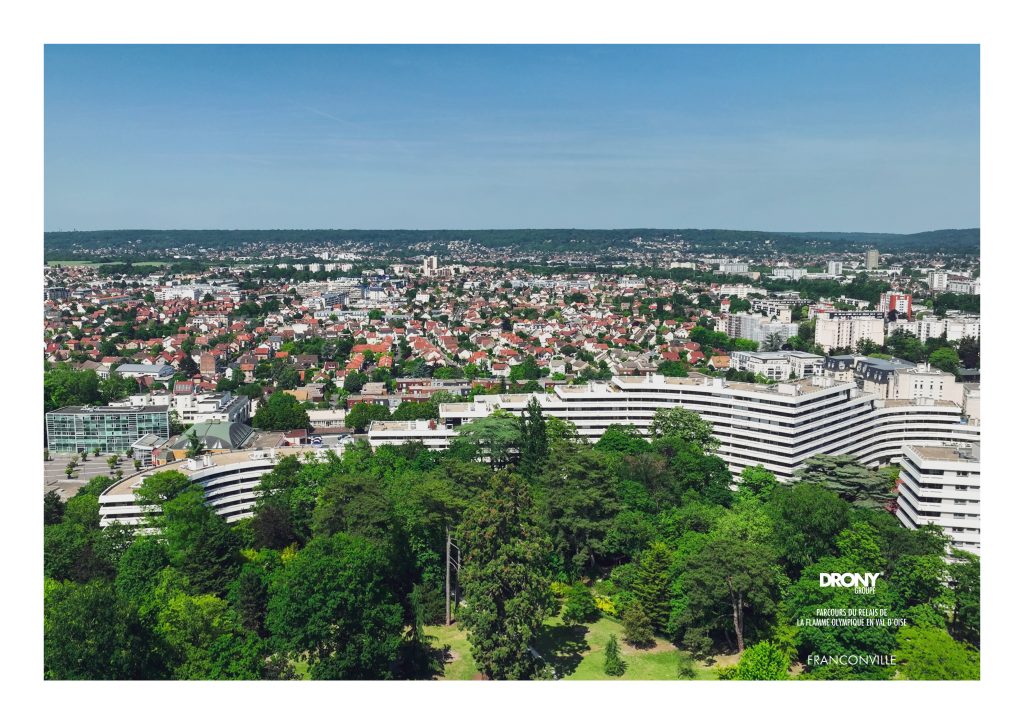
[{"x": 111, "y": 429}]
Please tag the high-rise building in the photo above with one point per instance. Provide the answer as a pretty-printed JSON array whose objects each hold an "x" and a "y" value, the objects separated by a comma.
[
  {"x": 757, "y": 328},
  {"x": 896, "y": 302},
  {"x": 835, "y": 268},
  {"x": 941, "y": 486},
  {"x": 871, "y": 259},
  {"x": 937, "y": 280},
  {"x": 430, "y": 266},
  {"x": 835, "y": 329}
]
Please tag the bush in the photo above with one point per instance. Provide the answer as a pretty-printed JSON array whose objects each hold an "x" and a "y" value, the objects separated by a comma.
[
  {"x": 560, "y": 589},
  {"x": 636, "y": 627},
  {"x": 614, "y": 664},
  {"x": 606, "y": 605},
  {"x": 764, "y": 661},
  {"x": 685, "y": 667},
  {"x": 726, "y": 673},
  {"x": 579, "y": 606},
  {"x": 698, "y": 643}
]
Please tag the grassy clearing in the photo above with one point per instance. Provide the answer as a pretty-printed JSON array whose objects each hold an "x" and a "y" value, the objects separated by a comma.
[
  {"x": 460, "y": 665},
  {"x": 577, "y": 653}
]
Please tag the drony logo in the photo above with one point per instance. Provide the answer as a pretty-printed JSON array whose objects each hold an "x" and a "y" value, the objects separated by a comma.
[{"x": 863, "y": 583}]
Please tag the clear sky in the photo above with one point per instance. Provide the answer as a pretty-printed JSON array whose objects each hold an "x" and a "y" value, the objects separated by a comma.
[{"x": 778, "y": 138}]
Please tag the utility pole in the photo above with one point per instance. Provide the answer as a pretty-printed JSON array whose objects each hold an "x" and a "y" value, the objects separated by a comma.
[
  {"x": 448, "y": 565},
  {"x": 447, "y": 577}
]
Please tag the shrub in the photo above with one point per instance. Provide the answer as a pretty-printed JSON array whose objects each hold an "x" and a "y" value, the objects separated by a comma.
[
  {"x": 560, "y": 589},
  {"x": 764, "y": 661},
  {"x": 614, "y": 664},
  {"x": 606, "y": 605},
  {"x": 685, "y": 668},
  {"x": 726, "y": 673},
  {"x": 636, "y": 627},
  {"x": 579, "y": 606}
]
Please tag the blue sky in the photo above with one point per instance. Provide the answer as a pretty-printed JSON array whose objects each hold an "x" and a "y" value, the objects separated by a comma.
[{"x": 780, "y": 138}]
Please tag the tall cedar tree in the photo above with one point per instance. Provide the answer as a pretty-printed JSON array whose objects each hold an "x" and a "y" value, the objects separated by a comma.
[
  {"x": 502, "y": 580},
  {"x": 651, "y": 584},
  {"x": 533, "y": 440},
  {"x": 578, "y": 504}
]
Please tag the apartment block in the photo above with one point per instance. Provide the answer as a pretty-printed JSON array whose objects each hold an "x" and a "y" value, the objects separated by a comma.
[
  {"x": 776, "y": 425},
  {"x": 941, "y": 485},
  {"x": 780, "y": 365},
  {"x": 836, "y": 329}
]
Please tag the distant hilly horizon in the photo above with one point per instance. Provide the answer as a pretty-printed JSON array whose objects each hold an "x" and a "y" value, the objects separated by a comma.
[
  {"x": 58, "y": 244},
  {"x": 834, "y": 234}
]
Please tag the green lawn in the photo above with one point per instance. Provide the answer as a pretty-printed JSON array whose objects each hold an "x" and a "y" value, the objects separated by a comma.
[
  {"x": 575, "y": 652},
  {"x": 460, "y": 666}
]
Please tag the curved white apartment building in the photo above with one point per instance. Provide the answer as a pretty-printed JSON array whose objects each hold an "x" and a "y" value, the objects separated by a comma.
[
  {"x": 227, "y": 479},
  {"x": 778, "y": 425}
]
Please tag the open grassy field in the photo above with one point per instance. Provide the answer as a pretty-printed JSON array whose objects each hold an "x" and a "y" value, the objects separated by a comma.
[{"x": 576, "y": 652}]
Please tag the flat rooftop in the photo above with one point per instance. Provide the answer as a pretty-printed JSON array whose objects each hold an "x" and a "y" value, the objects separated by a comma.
[
  {"x": 918, "y": 402},
  {"x": 803, "y": 386},
  {"x": 404, "y": 426},
  {"x": 124, "y": 486},
  {"x": 104, "y": 410},
  {"x": 949, "y": 454}
]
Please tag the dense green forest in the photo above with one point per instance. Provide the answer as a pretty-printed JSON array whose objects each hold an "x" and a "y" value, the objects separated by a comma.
[
  {"x": 141, "y": 243},
  {"x": 342, "y": 565}
]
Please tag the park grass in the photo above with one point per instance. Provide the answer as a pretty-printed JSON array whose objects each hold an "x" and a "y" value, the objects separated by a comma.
[
  {"x": 301, "y": 668},
  {"x": 576, "y": 653},
  {"x": 460, "y": 666}
]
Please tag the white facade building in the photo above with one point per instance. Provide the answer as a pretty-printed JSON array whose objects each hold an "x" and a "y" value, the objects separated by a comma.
[
  {"x": 941, "y": 485},
  {"x": 778, "y": 425},
  {"x": 835, "y": 268},
  {"x": 834, "y": 329},
  {"x": 228, "y": 481},
  {"x": 196, "y": 408},
  {"x": 926, "y": 382},
  {"x": 964, "y": 286},
  {"x": 755, "y": 327},
  {"x": 781, "y": 365},
  {"x": 937, "y": 280},
  {"x": 783, "y": 272},
  {"x": 955, "y": 327}
]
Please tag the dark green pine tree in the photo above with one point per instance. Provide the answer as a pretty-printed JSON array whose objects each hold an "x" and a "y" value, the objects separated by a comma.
[
  {"x": 651, "y": 585},
  {"x": 533, "y": 440},
  {"x": 502, "y": 579}
]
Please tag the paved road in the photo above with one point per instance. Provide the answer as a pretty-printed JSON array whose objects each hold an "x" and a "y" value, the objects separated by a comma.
[{"x": 54, "y": 477}]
